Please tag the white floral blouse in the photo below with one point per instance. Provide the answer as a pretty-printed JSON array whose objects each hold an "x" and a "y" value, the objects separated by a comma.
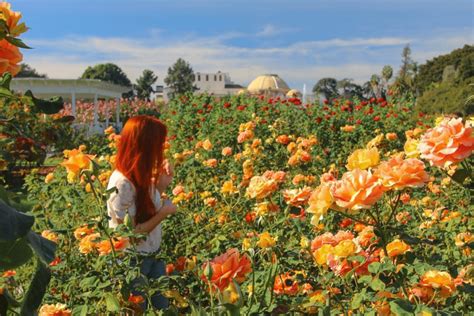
[{"x": 122, "y": 201}]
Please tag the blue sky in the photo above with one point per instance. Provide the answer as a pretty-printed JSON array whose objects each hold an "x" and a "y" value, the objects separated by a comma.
[{"x": 301, "y": 40}]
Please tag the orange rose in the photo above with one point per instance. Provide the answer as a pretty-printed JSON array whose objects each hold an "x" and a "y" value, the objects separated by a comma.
[
  {"x": 398, "y": 173},
  {"x": 211, "y": 163},
  {"x": 345, "y": 249},
  {"x": 438, "y": 280},
  {"x": 397, "y": 247},
  {"x": 348, "y": 128},
  {"x": 88, "y": 244},
  {"x": 207, "y": 145},
  {"x": 10, "y": 57},
  {"x": 50, "y": 236},
  {"x": 105, "y": 247},
  {"x": 227, "y": 267},
  {"x": 358, "y": 189},
  {"x": 82, "y": 232},
  {"x": 135, "y": 299},
  {"x": 54, "y": 310},
  {"x": 283, "y": 139},
  {"x": 324, "y": 239},
  {"x": 321, "y": 254},
  {"x": 285, "y": 284},
  {"x": 12, "y": 18},
  {"x": 448, "y": 143},
  {"x": 226, "y": 151},
  {"x": 297, "y": 197},
  {"x": 391, "y": 136},
  {"x": 265, "y": 240},
  {"x": 77, "y": 161}
]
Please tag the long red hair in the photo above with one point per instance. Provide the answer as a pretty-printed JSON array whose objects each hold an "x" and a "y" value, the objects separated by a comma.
[{"x": 139, "y": 158}]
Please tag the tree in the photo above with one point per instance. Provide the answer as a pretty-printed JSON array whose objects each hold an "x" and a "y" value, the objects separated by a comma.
[
  {"x": 348, "y": 89},
  {"x": 376, "y": 86},
  {"x": 107, "y": 72},
  {"x": 405, "y": 82},
  {"x": 27, "y": 71},
  {"x": 180, "y": 78},
  {"x": 144, "y": 85},
  {"x": 327, "y": 87}
]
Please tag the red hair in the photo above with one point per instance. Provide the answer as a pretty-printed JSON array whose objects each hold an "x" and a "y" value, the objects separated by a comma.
[{"x": 139, "y": 158}]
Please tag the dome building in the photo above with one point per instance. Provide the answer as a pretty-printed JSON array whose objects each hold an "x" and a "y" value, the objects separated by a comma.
[{"x": 270, "y": 85}]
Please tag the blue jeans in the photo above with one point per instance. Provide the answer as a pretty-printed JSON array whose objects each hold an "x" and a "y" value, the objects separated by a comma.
[{"x": 152, "y": 268}]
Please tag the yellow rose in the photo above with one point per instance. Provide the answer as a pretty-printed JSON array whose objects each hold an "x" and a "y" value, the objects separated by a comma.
[
  {"x": 363, "y": 159},
  {"x": 49, "y": 178},
  {"x": 266, "y": 240},
  {"x": 411, "y": 148},
  {"x": 322, "y": 253},
  {"x": 345, "y": 248}
]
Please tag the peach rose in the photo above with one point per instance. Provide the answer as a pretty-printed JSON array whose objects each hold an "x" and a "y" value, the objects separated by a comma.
[
  {"x": 105, "y": 247},
  {"x": 226, "y": 151},
  {"x": 50, "y": 235},
  {"x": 391, "y": 136},
  {"x": 88, "y": 244},
  {"x": 82, "y": 232},
  {"x": 363, "y": 159},
  {"x": 207, "y": 145},
  {"x": 324, "y": 239},
  {"x": 211, "y": 163},
  {"x": 348, "y": 128},
  {"x": 227, "y": 267},
  {"x": 297, "y": 197},
  {"x": 398, "y": 173},
  {"x": 357, "y": 189},
  {"x": 260, "y": 187},
  {"x": 283, "y": 139},
  {"x": 448, "y": 143},
  {"x": 320, "y": 201},
  {"x": 10, "y": 57}
]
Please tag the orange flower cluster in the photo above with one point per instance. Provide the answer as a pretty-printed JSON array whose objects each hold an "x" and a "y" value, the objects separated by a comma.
[
  {"x": 225, "y": 268},
  {"x": 54, "y": 310},
  {"x": 448, "y": 143},
  {"x": 10, "y": 55},
  {"x": 286, "y": 284},
  {"x": 332, "y": 251},
  {"x": 301, "y": 150},
  {"x": 75, "y": 162},
  {"x": 180, "y": 194},
  {"x": 88, "y": 242},
  {"x": 246, "y": 132},
  {"x": 263, "y": 186},
  {"x": 434, "y": 283},
  {"x": 297, "y": 197}
]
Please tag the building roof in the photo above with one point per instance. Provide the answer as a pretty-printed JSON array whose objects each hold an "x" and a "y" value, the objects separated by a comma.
[
  {"x": 293, "y": 93},
  {"x": 64, "y": 87},
  {"x": 268, "y": 82}
]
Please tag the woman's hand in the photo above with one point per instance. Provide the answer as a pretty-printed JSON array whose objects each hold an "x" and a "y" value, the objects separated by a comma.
[
  {"x": 168, "y": 207},
  {"x": 166, "y": 176}
]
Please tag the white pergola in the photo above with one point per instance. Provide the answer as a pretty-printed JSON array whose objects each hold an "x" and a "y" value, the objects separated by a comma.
[{"x": 73, "y": 89}]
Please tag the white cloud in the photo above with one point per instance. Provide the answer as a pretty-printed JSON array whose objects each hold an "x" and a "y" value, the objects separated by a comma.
[{"x": 298, "y": 63}]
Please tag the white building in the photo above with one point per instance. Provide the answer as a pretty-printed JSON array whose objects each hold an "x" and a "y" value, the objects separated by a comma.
[{"x": 218, "y": 84}]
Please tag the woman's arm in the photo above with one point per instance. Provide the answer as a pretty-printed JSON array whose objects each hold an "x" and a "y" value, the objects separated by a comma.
[{"x": 146, "y": 227}]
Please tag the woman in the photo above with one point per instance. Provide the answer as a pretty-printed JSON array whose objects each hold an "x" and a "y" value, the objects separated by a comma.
[{"x": 141, "y": 175}]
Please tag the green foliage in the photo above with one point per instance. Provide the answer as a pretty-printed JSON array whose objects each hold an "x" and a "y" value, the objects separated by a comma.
[
  {"x": 432, "y": 71},
  {"x": 144, "y": 85},
  {"x": 108, "y": 72},
  {"x": 180, "y": 78},
  {"x": 27, "y": 71},
  {"x": 326, "y": 87},
  {"x": 448, "y": 97}
]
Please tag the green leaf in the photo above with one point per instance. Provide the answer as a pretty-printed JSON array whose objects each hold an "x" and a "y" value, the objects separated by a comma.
[
  {"x": 14, "y": 253},
  {"x": 374, "y": 267},
  {"x": 460, "y": 175},
  {"x": 5, "y": 93},
  {"x": 80, "y": 310},
  {"x": 43, "y": 248},
  {"x": 357, "y": 299},
  {"x": 112, "y": 302},
  {"x": 37, "y": 289},
  {"x": 17, "y": 42},
  {"x": 5, "y": 80},
  {"x": 377, "y": 285},
  {"x": 13, "y": 224},
  {"x": 51, "y": 106},
  {"x": 401, "y": 308}
]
